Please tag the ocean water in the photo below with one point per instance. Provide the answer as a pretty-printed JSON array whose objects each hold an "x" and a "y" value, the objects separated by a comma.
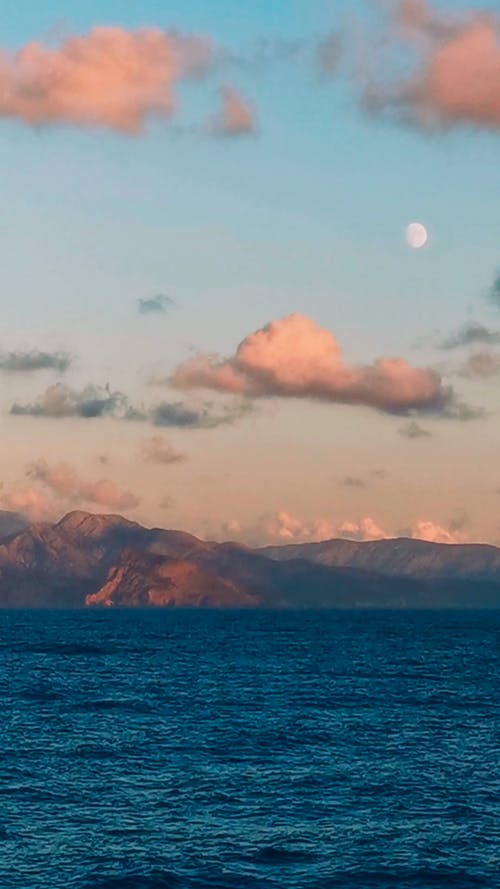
[{"x": 226, "y": 750}]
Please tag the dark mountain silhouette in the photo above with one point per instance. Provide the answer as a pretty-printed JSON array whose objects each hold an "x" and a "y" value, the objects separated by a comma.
[{"x": 94, "y": 560}]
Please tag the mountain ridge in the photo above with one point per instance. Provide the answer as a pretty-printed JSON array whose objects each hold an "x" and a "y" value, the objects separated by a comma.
[{"x": 89, "y": 560}]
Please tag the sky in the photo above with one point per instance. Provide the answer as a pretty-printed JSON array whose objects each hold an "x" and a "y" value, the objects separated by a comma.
[{"x": 212, "y": 319}]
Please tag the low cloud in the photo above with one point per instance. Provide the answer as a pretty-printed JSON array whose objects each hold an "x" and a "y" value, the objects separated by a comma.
[
  {"x": 456, "y": 78},
  {"x": 179, "y": 415},
  {"x": 284, "y": 528},
  {"x": 413, "y": 430},
  {"x": 433, "y": 533},
  {"x": 364, "y": 529},
  {"x": 29, "y": 502},
  {"x": 64, "y": 482},
  {"x": 155, "y": 305},
  {"x": 236, "y": 117},
  {"x": 109, "y": 78},
  {"x": 59, "y": 402},
  {"x": 28, "y": 362},
  {"x": 157, "y": 450},
  {"x": 471, "y": 334},
  {"x": 295, "y": 358}
]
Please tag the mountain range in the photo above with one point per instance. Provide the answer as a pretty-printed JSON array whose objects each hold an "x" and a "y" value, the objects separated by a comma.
[{"x": 87, "y": 560}]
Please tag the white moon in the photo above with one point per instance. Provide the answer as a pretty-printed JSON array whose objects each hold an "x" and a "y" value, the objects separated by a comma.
[{"x": 416, "y": 235}]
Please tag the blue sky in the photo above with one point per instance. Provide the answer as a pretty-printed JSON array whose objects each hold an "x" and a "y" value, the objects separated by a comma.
[{"x": 306, "y": 215}]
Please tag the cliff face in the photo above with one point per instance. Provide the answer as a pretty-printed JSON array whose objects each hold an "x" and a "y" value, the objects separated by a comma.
[
  {"x": 144, "y": 579},
  {"x": 108, "y": 561}
]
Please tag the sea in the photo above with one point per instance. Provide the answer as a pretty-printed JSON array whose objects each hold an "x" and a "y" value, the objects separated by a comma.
[{"x": 169, "y": 749}]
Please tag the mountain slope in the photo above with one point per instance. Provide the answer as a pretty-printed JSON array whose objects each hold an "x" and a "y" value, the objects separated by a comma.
[
  {"x": 399, "y": 557},
  {"x": 108, "y": 561}
]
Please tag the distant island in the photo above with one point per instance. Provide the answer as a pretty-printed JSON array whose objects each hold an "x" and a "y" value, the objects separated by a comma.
[{"x": 87, "y": 560}]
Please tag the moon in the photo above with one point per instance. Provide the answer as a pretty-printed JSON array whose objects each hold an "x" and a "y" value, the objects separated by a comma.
[{"x": 416, "y": 235}]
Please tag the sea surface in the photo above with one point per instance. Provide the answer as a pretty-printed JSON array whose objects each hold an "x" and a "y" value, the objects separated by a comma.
[{"x": 231, "y": 750}]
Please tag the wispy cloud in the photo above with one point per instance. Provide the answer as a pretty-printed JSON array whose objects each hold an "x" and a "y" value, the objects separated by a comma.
[
  {"x": 494, "y": 292},
  {"x": 59, "y": 401},
  {"x": 65, "y": 483},
  {"x": 295, "y": 358},
  {"x": 28, "y": 362},
  {"x": 158, "y": 450},
  {"x": 235, "y": 117},
  {"x": 179, "y": 414},
  {"x": 481, "y": 365},
  {"x": 471, "y": 334},
  {"x": 350, "y": 481},
  {"x": 329, "y": 51},
  {"x": 155, "y": 305},
  {"x": 413, "y": 430}
]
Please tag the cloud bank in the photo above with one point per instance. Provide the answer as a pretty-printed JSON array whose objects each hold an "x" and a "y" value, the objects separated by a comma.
[{"x": 295, "y": 358}]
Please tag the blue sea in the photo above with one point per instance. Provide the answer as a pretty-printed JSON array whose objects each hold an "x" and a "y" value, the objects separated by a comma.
[{"x": 231, "y": 750}]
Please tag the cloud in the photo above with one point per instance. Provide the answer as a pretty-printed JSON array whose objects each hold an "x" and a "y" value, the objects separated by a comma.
[
  {"x": 471, "y": 334},
  {"x": 295, "y": 358},
  {"x": 64, "y": 482},
  {"x": 413, "y": 430},
  {"x": 457, "y": 76},
  {"x": 364, "y": 529},
  {"x": 463, "y": 412},
  {"x": 287, "y": 528},
  {"x": 264, "y": 52},
  {"x": 432, "y": 533},
  {"x": 481, "y": 365},
  {"x": 155, "y": 305},
  {"x": 27, "y": 362},
  {"x": 494, "y": 292},
  {"x": 110, "y": 78},
  {"x": 30, "y": 502},
  {"x": 178, "y": 414},
  {"x": 328, "y": 54},
  {"x": 157, "y": 450},
  {"x": 59, "y": 401},
  {"x": 235, "y": 116},
  {"x": 350, "y": 481}
]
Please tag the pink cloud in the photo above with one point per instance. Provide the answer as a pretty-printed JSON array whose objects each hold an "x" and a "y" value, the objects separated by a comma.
[
  {"x": 30, "y": 502},
  {"x": 364, "y": 529},
  {"x": 457, "y": 79},
  {"x": 235, "y": 117},
  {"x": 426, "y": 530},
  {"x": 293, "y": 357},
  {"x": 109, "y": 77},
  {"x": 64, "y": 482}
]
